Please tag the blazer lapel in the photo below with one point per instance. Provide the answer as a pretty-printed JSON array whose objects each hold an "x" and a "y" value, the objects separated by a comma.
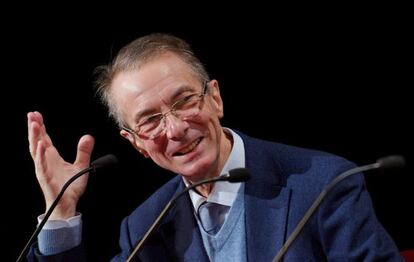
[
  {"x": 266, "y": 221},
  {"x": 181, "y": 234},
  {"x": 266, "y": 204}
]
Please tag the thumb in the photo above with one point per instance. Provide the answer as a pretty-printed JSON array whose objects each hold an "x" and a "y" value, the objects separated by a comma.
[{"x": 84, "y": 152}]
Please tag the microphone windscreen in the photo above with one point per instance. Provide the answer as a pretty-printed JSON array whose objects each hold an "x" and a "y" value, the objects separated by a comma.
[
  {"x": 238, "y": 175},
  {"x": 104, "y": 161},
  {"x": 395, "y": 161}
]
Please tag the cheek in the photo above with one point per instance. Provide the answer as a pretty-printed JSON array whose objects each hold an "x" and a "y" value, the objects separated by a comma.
[
  {"x": 208, "y": 115},
  {"x": 155, "y": 147},
  {"x": 209, "y": 124}
]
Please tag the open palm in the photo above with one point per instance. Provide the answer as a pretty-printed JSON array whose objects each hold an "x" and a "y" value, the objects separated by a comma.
[{"x": 52, "y": 171}]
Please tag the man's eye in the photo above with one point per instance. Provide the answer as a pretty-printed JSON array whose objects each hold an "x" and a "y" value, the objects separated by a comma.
[
  {"x": 184, "y": 101},
  {"x": 152, "y": 119}
]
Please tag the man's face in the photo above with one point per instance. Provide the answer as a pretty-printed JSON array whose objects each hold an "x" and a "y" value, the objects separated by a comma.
[{"x": 196, "y": 147}]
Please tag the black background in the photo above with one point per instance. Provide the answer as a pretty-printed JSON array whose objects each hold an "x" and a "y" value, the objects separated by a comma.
[{"x": 336, "y": 79}]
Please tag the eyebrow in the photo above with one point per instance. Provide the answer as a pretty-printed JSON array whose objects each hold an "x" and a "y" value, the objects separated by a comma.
[{"x": 177, "y": 92}]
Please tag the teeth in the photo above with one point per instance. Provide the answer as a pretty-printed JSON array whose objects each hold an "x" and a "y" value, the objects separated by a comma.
[{"x": 190, "y": 147}]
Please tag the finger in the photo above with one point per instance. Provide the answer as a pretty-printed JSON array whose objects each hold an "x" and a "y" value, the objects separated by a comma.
[
  {"x": 40, "y": 159},
  {"x": 34, "y": 130},
  {"x": 42, "y": 125},
  {"x": 84, "y": 152},
  {"x": 39, "y": 119},
  {"x": 30, "y": 133}
]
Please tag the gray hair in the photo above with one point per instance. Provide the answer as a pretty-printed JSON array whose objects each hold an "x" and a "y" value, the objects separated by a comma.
[{"x": 133, "y": 56}]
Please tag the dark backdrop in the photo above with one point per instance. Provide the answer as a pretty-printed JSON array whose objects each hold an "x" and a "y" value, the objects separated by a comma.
[{"x": 338, "y": 84}]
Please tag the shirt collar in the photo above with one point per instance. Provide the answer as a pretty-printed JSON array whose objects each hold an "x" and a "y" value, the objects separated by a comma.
[{"x": 224, "y": 192}]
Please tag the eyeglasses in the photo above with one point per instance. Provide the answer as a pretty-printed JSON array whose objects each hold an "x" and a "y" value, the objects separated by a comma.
[{"x": 185, "y": 109}]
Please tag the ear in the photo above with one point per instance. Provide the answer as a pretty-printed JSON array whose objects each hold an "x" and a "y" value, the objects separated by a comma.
[
  {"x": 136, "y": 143},
  {"x": 217, "y": 102}
]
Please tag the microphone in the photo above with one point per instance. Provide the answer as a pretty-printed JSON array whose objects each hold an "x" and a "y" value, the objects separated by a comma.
[
  {"x": 104, "y": 161},
  {"x": 233, "y": 176},
  {"x": 388, "y": 162}
]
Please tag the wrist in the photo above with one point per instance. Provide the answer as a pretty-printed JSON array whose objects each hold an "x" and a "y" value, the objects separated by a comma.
[{"x": 62, "y": 211}]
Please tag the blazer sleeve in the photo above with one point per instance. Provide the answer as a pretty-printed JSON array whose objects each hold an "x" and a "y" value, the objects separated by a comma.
[{"x": 74, "y": 254}]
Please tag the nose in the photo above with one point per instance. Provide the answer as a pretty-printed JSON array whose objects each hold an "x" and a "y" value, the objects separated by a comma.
[{"x": 175, "y": 127}]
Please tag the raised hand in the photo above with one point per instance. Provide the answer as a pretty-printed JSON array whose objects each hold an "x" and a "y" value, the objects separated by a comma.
[{"x": 52, "y": 171}]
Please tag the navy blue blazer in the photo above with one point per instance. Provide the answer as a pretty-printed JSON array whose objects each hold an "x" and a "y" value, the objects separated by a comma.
[{"x": 284, "y": 182}]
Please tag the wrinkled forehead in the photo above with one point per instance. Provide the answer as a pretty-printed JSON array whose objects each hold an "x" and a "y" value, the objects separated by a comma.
[
  {"x": 154, "y": 77},
  {"x": 154, "y": 82}
]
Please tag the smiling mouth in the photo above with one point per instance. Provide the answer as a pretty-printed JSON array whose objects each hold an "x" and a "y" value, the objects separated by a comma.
[{"x": 189, "y": 148}]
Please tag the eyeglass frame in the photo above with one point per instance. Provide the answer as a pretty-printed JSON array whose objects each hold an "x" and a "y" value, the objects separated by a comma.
[{"x": 163, "y": 115}]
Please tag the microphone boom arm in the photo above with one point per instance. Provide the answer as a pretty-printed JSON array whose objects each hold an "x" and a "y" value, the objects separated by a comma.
[
  {"x": 317, "y": 203},
  {"x": 50, "y": 210},
  {"x": 101, "y": 162},
  {"x": 233, "y": 176},
  {"x": 156, "y": 223}
]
